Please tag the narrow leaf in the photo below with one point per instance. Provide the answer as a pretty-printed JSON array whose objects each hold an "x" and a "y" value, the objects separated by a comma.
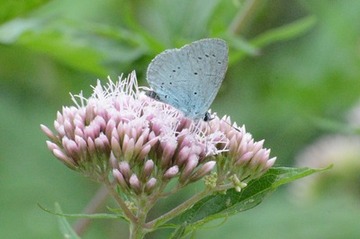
[
  {"x": 286, "y": 32},
  {"x": 80, "y": 215},
  {"x": 65, "y": 226},
  {"x": 178, "y": 232}
]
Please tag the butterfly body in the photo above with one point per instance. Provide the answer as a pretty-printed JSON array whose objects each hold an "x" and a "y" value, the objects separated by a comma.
[{"x": 190, "y": 77}]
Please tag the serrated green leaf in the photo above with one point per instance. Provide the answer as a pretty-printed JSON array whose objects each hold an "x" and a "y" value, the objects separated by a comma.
[
  {"x": 286, "y": 32},
  {"x": 224, "y": 205},
  {"x": 64, "y": 225}
]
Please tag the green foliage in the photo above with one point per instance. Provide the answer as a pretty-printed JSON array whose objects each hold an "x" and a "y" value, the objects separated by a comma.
[
  {"x": 10, "y": 9},
  {"x": 223, "y": 205},
  {"x": 59, "y": 213}
]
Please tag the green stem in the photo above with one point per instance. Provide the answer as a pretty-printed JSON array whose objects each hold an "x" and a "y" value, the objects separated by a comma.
[
  {"x": 177, "y": 210},
  {"x": 136, "y": 231},
  {"x": 243, "y": 16},
  {"x": 121, "y": 203}
]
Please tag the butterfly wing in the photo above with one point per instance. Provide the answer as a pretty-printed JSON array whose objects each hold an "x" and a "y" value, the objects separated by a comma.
[{"x": 190, "y": 77}]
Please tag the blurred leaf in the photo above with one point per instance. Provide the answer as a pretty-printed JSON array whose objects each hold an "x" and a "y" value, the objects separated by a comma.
[
  {"x": 286, "y": 32},
  {"x": 241, "y": 49},
  {"x": 174, "y": 22},
  {"x": 232, "y": 202},
  {"x": 12, "y": 8},
  {"x": 334, "y": 126},
  {"x": 96, "y": 49},
  {"x": 64, "y": 225}
]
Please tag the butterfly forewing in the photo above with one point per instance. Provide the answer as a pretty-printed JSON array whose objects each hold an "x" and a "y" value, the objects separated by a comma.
[{"x": 190, "y": 77}]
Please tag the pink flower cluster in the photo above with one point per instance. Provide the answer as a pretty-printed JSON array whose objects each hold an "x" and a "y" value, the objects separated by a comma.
[{"x": 144, "y": 143}]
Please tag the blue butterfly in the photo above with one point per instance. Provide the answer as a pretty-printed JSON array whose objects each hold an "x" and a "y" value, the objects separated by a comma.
[{"x": 190, "y": 77}]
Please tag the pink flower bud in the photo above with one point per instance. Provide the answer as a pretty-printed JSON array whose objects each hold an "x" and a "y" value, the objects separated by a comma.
[
  {"x": 113, "y": 161},
  {"x": 189, "y": 167},
  {"x": 128, "y": 148},
  {"x": 59, "y": 118},
  {"x": 171, "y": 172},
  {"x": 51, "y": 145},
  {"x": 183, "y": 155},
  {"x": 144, "y": 151},
  {"x": 270, "y": 163},
  {"x": 81, "y": 143},
  {"x": 124, "y": 168},
  {"x": 148, "y": 168},
  {"x": 150, "y": 185},
  {"x": 244, "y": 159},
  {"x": 135, "y": 184},
  {"x": 65, "y": 159},
  {"x": 204, "y": 170},
  {"x": 48, "y": 133},
  {"x": 69, "y": 129},
  {"x": 120, "y": 179},
  {"x": 91, "y": 146},
  {"x": 115, "y": 147},
  {"x": 100, "y": 122},
  {"x": 110, "y": 128},
  {"x": 71, "y": 148},
  {"x": 79, "y": 132}
]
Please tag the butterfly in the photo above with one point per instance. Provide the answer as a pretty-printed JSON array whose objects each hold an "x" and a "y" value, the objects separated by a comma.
[{"x": 189, "y": 78}]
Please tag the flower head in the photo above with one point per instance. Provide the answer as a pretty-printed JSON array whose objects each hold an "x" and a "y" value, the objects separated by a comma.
[{"x": 144, "y": 143}]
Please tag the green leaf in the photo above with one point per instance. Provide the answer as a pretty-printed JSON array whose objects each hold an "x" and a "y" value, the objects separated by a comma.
[
  {"x": 244, "y": 48},
  {"x": 286, "y": 32},
  {"x": 178, "y": 232},
  {"x": 173, "y": 21},
  {"x": 80, "y": 215},
  {"x": 64, "y": 225},
  {"x": 10, "y": 9},
  {"x": 241, "y": 48},
  {"x": 95, "y": 49},
  {"x": 334, "y": 126},
  {"x": 232, "y": 202}
]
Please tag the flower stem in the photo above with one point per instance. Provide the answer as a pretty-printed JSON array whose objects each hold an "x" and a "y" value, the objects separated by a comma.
[
  {"x": 178, "y": 210},
  {"x": 136, "y": 231},
  {"x": 121, "y": 202}
]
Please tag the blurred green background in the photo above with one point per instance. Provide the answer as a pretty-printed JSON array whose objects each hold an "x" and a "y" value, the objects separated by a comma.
[{"x": 294, "y": 73}]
